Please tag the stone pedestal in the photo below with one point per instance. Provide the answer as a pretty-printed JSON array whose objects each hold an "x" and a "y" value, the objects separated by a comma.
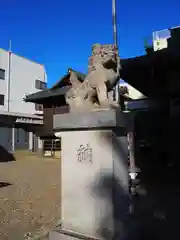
[{"x": 94, "y": 175}]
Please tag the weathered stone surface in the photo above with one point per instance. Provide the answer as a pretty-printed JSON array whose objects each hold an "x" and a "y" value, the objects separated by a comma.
[
  {"x": 93, "y": 119},
  {"x": 104, "y": 68},
  {"x": 95, "y": 196}
]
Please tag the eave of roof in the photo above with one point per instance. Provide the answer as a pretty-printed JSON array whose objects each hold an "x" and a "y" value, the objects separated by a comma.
[
  {"x": 159, "y": 58},
  {"x": 139, "y": 73},
  {"x": 58, "y": 89},
  {"x": 63, "y": 81},
  {"x": 34, "y": 97},
  {"x": 22, "y": 115}
]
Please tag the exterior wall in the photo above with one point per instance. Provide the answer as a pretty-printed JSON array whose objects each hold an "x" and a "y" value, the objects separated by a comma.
[
  {"x": 23, "y": 76},
  {"x": 16, "y": 136},
  {"x": 13, "y": 139},
  {"x": 21, "y": 139},
  {"x": 20, "y": 82},
  {"x": 49, "y": 111},
  {"x": 6, "y": 138},
  {"x": 48, "y": 117},
  {"x": 4, "y": 83}
]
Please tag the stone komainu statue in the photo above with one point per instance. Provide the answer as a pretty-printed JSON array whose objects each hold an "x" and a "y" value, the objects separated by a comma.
[{"x": 103, "y": 75}]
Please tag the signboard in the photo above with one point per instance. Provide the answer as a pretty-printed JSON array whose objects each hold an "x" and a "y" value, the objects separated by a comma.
[{"x": 29, "y": 121}]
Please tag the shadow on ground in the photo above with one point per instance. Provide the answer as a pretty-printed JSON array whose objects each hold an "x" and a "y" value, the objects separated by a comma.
[
  {"x": 4, "y": 184},
  {"x": 6, "y": 156}
]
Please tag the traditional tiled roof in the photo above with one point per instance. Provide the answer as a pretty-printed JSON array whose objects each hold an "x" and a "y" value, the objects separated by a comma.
[
  {"x": 36, "y": 97},
  {"x": 64, "y": 81},
  {"x": 58, "y": 89}
]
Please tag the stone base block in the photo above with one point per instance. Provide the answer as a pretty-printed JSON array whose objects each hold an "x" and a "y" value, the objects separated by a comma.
[{"x": 94, "y": 173}]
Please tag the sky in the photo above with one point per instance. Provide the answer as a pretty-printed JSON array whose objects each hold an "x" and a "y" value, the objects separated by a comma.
[{"x": 60, "y": 33}]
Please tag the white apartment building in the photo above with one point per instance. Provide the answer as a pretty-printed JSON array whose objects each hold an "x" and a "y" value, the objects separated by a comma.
[{"x": 19, "y": 120}]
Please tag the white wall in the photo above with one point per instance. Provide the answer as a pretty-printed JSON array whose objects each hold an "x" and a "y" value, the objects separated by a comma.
[
  {"x": 3, "y": 83},
  {"x": 23, "y": 76}
]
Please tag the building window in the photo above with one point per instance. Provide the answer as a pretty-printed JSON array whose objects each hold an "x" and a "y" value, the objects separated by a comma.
[
  {"x": 1, "y": 99},
  {"x": 38, "y": 107},
  {"x": 2, "y": 74},
  {"x": 40, "y": 85}
]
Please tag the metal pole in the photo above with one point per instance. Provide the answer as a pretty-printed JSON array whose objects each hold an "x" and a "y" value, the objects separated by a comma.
[
  {"x": 114, "y": 23},
  {"x": 13, "y": 138},
  {"x": 115, "y": 39},
  {"x": 9, "y": 75}
]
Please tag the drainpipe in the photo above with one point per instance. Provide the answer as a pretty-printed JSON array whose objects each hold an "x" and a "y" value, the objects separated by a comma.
[
  {"x": 9, "y": 75},
  {"x": 8, "y": 97}
]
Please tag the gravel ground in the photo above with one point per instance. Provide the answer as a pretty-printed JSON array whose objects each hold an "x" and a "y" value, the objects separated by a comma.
[{"x": 30, "y": 205}]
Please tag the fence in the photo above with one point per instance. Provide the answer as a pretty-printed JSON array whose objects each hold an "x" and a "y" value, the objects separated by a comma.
[{"x": 52, "y": 147}]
